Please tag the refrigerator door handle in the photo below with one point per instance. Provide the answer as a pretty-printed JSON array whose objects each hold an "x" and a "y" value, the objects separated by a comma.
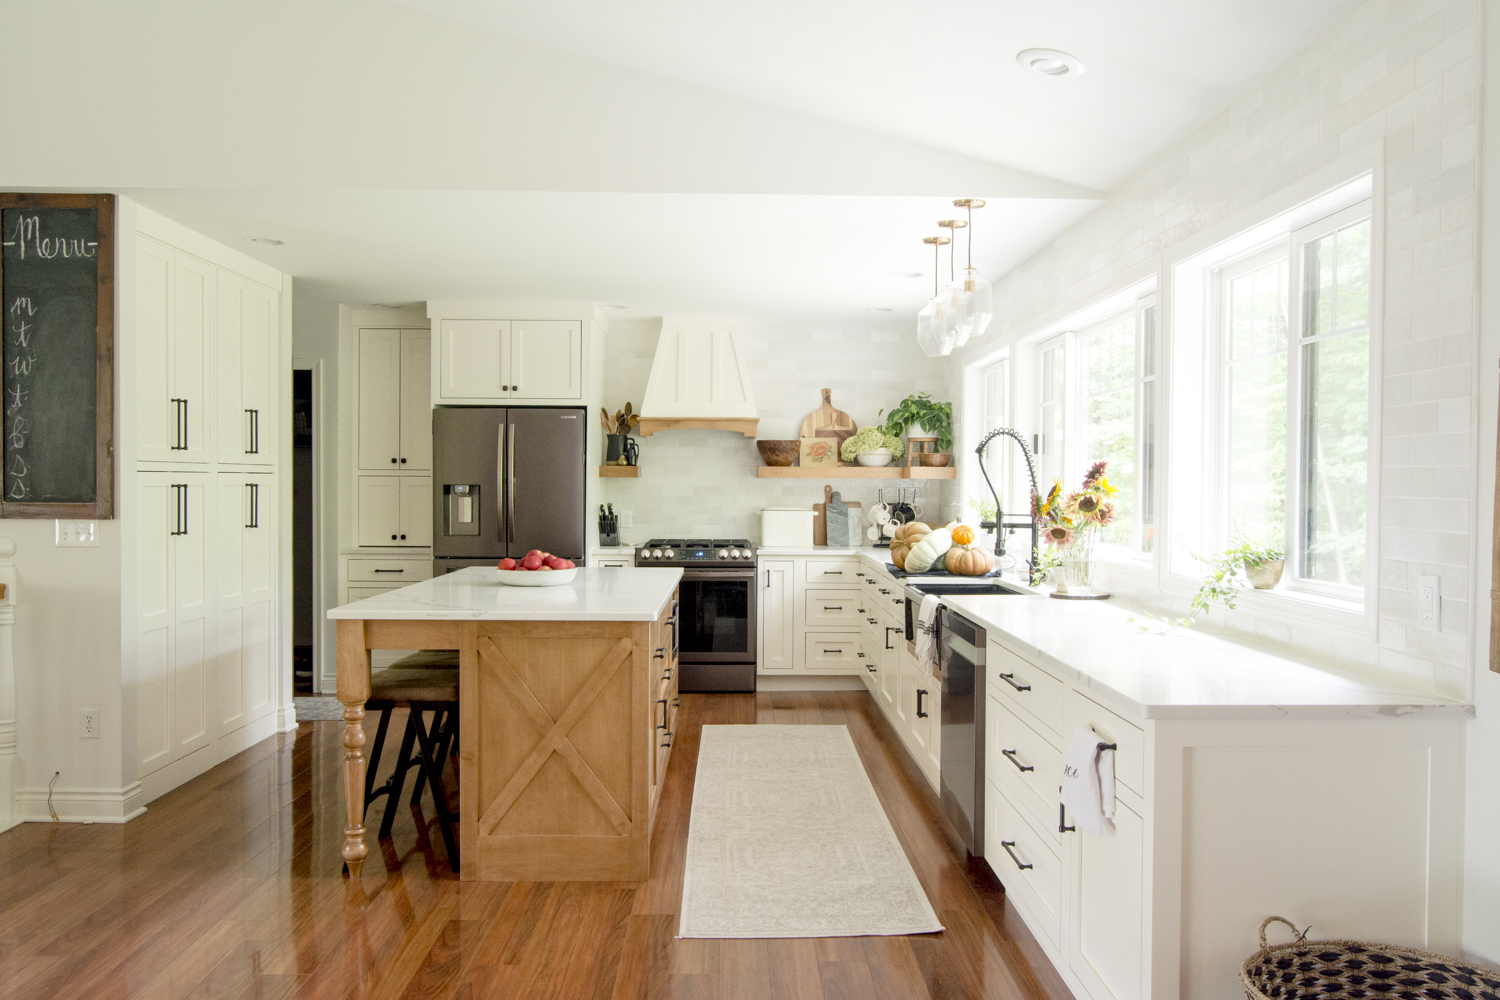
[
  {"x": 500, "y": 482},
  {"x": 510, "y": 486}
]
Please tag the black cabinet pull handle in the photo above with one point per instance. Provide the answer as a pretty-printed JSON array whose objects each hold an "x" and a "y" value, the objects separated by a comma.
[
  {"x": 663, "y": 703},
  {"x": 253, "y": 418},
  {"x": 920, "y": 694},
  {"x": 833, "y": 572},
  {"x": 1010, "y": 755},
  {"x": 179, "y": 438},
  {"x": 1011, "y": 680},
  {"x": 660, "y": 653},
  {"x": 1008, "y": 844},
  {"x": 1109, "y": 746},
  {"x": 888, "y": 631},
  {"x": 254, "y": 489},
  {"x": 393, "y": 461},
  {"x": 1062, "y": 821},
  {"x": 180, "y": 514},
  {"x": 839, "y": 607},
  {"x": 839, "y": 651},
  {"x": 390, "y": 571}
]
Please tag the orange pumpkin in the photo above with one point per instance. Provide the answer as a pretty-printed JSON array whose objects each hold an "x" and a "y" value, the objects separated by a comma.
[
  {"x": 905, "y": 537},
  {"x": 963, "y": 535},
  {"x": 964, "y": 561}
]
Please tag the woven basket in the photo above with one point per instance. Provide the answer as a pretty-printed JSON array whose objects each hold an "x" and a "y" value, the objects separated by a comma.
[{"x": 1335, "y": 970}]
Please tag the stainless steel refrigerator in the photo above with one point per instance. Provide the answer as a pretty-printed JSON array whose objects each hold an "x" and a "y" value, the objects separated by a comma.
[{"x": 506, "y": 480}]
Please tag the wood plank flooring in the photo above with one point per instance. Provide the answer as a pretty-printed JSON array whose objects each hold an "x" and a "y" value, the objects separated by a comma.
[{"x": 230, "y": 887}]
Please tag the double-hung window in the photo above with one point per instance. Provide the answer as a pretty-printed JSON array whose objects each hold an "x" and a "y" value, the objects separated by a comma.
[{"x": 1294, "y": 344}]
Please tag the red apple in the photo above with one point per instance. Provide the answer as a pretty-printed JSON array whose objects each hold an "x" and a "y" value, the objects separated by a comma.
[
  {"x": 536, "y": 552},
  {"x": 532, "y": 561},
  {"x": 507, "y": 564},
  {"x": 554, "y": 562},
  {"x": 568, "y": 564},
  {"x": 544, "y": 569}
]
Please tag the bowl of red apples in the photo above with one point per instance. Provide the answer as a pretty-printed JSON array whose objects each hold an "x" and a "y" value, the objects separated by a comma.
[{"x": 537, "y": 569}]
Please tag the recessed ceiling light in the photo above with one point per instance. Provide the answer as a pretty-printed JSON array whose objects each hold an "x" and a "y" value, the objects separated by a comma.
[
  {"x": 1049, "y": 62},
  {"x": 877, "y": 309},
  {"x": 614, "y": 306},
  {"x": 906, "y": 274},
  {"x": 269, "y": 241}
]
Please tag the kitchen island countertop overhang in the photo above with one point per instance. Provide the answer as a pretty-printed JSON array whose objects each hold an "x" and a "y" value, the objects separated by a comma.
[{"x": 476, "y": 594}]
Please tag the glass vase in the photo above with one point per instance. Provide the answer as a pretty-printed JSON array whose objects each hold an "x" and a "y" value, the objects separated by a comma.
[{"x": 1078, "y": 562}]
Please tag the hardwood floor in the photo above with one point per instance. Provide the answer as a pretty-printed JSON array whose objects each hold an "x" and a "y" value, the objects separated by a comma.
[{"x": 230, "y": 887}]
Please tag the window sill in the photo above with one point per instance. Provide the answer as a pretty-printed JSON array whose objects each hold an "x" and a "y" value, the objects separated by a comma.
[{"x": 1301, "y": 608}]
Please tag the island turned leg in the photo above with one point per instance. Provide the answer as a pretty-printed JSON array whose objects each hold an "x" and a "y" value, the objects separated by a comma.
[{"x": 353, "y": 692}]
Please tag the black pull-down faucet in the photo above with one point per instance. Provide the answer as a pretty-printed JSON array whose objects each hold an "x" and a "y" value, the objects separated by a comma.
[{"x": 999, "y": 524}]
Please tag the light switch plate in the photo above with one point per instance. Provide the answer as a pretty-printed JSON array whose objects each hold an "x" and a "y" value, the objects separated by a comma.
[
  {"x": 1429, "y": 602},
  {"x": 76, "y": 534},
  {"x": 627, "y": 520}
]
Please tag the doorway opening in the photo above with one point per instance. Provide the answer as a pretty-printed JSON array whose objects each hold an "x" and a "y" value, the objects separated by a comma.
[{"x": 304, "y": 555}]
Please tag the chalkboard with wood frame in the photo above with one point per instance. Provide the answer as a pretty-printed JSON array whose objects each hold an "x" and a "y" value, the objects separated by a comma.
[{"x": 57, "y": 269}]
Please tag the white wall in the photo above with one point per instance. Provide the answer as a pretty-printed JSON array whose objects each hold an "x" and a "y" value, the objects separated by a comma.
[
  {"x": 1401, "y": 78},
  {"x": 700, "y": 482}
]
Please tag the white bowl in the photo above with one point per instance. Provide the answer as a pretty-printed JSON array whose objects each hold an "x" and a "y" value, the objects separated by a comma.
[
  {"x": 878, "y": 457},
  {"x": 537, "y": 577}
]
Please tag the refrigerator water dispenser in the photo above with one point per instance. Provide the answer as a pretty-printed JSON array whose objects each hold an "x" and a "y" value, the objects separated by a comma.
[{"x": 460, "y": 509}]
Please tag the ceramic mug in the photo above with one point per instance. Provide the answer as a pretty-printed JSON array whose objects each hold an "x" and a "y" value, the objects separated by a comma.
[
  {"x": 880, "y": 513},
  {"x": 916, "y": 510},
  {"x": 874, "y": 533}
]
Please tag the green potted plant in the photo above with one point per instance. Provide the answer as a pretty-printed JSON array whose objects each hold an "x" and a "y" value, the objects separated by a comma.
[
  {"x": 1263, "y": 564},
  {"x": 872, "y": 446},
  {"x": 922, "y": 417}
]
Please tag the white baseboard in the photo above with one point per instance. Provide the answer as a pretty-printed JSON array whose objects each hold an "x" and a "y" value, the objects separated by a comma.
[
  {"x": 286, "y": 719},
  {"x": 81, "y": 805},
  {"x": 185, "y": 769},
  {"x": 805, "y": 682}
]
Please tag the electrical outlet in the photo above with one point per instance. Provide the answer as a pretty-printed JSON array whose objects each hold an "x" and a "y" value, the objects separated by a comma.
[
  {"x": 1429, "y": 602},
  {"x": 89, "y": 723},
  {"x": 76, "y": 534},
  {"x": 626, "y": 519}
]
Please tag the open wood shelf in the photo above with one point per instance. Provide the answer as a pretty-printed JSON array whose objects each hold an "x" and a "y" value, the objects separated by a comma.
[
  {"x": 620, "y": 471},
  {"x": 854, "y": 472}
]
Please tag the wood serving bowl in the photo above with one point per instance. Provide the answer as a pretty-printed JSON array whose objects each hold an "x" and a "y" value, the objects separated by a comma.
[
  {"x": 933, "y": 459},
  {"x": 778, "y": 452}
]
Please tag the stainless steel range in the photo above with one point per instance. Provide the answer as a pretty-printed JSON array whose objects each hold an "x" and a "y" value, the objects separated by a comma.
[{"x": 716, "y": 610}]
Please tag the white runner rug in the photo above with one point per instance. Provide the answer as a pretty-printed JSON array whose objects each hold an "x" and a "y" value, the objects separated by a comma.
[{"x": 787, "y": 839}]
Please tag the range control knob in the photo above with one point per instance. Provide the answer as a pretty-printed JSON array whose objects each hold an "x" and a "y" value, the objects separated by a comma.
[
  {"x": 655, "y": 553},
  {"x": 668, "y": 553},
  {"x": 744, "y": 553},
  {"x": 734, "y": 553},
  {"x": 723, "y": 553}
]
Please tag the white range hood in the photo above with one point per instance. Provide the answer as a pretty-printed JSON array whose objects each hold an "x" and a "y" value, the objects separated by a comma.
[{"x": 698, "y": 379}]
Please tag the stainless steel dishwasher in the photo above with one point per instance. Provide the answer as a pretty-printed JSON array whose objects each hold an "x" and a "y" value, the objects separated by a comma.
[{"x": 961, "y": 663}]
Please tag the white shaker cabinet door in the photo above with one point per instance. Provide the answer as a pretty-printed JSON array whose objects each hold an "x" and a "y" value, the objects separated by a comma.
[
  {"x": 244, "y": 547},
  {"x": 191, "y": 330},
  {"x": 246, "y": 341},
  {"x": 192, "y": 725},
  {"x": 1108, "y": 896},
  {"x": 416, "y": 512},
  {"x": 778, "y": 614},
  {"x": 546, "y": 359},
  {"x": 174, "y": 317},
  {"x": 416, "y": 401},
  {"x": 472, "y": 359},
  {"x": 379, "y": 427},
  {"x": 156, "y": 517},
  {"x": 379, "y": 510}
]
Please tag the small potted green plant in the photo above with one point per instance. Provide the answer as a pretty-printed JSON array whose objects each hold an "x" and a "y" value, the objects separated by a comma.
[
  {"x": 921, "y": 417},
  {"x": 1263, "y": 564},
  {"x": 872, "y": 446}
]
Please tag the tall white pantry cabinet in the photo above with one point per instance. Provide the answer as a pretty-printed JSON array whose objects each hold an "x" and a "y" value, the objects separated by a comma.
[{"x": 203, "y": 370}]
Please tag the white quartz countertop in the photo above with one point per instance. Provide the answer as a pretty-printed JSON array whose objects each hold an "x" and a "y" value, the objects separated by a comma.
[
  {"x": 1185, "y": 673},
  {"x": 811, "y": 550},
  {"x": 476, "y": 594}
]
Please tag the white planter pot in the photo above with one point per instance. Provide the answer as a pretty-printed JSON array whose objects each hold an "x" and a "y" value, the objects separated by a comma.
[
  {"x": 878, "y": 457},
  {"x": 918, "y": 431}
]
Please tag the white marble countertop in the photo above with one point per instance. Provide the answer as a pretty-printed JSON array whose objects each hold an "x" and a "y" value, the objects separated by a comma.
[
  {"x": 1186, "y": 673},
  {"x": 476, "y": 594},
  {"x": 811, "y": 550}
]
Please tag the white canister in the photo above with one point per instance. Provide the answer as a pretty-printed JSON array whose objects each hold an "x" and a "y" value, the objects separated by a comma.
[{"x": 787, "y": 526}]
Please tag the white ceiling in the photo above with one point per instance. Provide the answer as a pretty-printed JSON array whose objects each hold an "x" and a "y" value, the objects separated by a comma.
[{"x": 770, "y": 160}]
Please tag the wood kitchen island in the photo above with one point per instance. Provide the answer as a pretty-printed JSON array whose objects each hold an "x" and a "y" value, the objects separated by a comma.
[{"x": 567, "y": 701}]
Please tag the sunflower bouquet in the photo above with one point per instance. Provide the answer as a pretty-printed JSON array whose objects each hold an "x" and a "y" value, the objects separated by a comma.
[{"x": 1062, "y": 518}]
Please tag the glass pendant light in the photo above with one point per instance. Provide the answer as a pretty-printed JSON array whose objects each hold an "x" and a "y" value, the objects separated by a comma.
[
  {"x": 959, "y": 300},
  {"x": 935, "y": 332},
  {"x": 982, "y": 308}
]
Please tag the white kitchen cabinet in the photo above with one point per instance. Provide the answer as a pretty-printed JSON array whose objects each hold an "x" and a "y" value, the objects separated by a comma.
[
  {"x": 394, "y": 511},
  {"x": 246, "y": 345},
  {"x": 175, "y": 319},
  {"x": 530, "y": 360},
  {"x": 832, "y": 652},
  {"x": 777, "y": 634},
  {"x": 244, "y": 560},
  {"x": 174, "y": 626},
  {"x": 394, "y": 426},
  {"x": 1107, "y": 946}
]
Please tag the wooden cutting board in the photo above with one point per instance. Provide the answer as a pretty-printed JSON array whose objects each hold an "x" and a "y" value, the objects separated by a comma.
[
  {"x": 826, "y": 418},
  {"x": 852, "y": 517}
]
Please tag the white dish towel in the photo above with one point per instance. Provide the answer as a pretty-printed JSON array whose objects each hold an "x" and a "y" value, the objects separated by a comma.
[
  {"x": 926, "y": 628},
  {"x": 1088, "y": 786}
]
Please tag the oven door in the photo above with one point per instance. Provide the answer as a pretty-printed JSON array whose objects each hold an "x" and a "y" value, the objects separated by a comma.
[{"x": 716, "y": 616}]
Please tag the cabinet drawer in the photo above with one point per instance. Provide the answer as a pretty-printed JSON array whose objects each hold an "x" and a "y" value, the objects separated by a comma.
[
  {"x": 825, "y": 572},
  {"x": 1026, "y": 688},
  {"x": 1034, "y": 790},
  {"x": 613, "y": 562},
  {"x": 352, "y": 594},
  {"x": 832, "y": 608},
  {"x": 1023, "y": 861},
  {"x": 833, "y": 653},
  {"x": 395, "y": 572},
  {"x": 1130, "y": 755}
]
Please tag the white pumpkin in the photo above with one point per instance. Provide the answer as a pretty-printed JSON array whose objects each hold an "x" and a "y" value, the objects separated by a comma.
[{"x": 931, "y": 548}]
